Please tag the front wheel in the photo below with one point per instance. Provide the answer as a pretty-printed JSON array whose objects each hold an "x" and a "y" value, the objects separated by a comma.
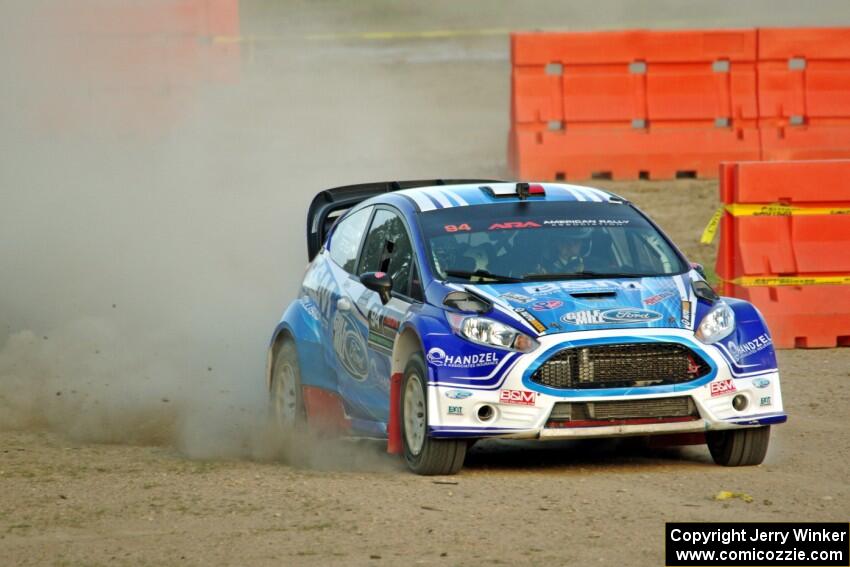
[
  {"x": 738, "y": 447},
  {"x": 424, "y": 455}
]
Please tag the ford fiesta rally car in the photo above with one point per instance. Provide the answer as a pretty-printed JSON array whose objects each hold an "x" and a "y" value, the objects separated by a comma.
[{"x": 436, "y": 313}]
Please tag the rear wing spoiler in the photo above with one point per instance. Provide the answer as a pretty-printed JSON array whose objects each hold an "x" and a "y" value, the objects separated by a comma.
[{"x": 331, "y": 204}]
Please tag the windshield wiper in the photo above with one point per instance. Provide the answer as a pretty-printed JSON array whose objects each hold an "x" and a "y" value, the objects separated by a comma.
[
  {"x": 581, "y": 276},
  {"x": 482, "y": 274}
]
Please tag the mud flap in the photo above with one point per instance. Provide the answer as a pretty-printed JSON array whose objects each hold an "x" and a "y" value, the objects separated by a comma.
[{"x": 394, "y": 425}]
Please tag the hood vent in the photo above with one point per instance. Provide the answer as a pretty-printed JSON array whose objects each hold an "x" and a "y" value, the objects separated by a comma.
[{"x": 594, "y": 294}]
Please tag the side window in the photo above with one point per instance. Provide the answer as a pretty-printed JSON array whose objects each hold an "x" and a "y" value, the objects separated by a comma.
[
  {"x": 346, "y": 237},
  {"x": 388, "y": 249}
]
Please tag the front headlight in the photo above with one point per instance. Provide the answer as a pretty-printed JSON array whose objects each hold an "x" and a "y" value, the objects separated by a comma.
[
  {"x": 717, "y": 324},
  {"x": 489, "y": 332}
]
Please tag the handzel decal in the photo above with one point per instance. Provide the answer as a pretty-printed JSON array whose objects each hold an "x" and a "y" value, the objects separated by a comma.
[
  {"x": 623, "y": 316},
  {"x": 518, "y": 397},
  {"x": 743, "y": 350},
  {"x": 438, "y": 357},
  {"x": 722, "y": 387},
  {"x": 532, "y": 320}
]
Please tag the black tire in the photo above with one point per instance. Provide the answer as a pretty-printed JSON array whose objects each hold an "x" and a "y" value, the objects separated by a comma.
[
  {"x": 434, "y": 456},
  {"x": 287, "y": 411},
  {"x": 738, "y": 447}
]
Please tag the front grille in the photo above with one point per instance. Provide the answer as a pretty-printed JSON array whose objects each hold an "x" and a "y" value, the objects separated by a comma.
[
  {"x": 621, "y": 366},
  {"x": 661, "y": 408}
]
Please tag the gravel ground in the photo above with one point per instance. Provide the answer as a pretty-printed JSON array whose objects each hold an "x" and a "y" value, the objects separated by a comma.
[{"x": 311, "y": 113}]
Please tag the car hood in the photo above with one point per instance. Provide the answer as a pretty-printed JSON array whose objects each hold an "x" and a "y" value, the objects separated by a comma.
[{"x": 578, "y": 305}]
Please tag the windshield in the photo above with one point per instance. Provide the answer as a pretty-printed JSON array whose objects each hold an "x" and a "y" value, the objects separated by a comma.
[{"x": 539, "y": 240}]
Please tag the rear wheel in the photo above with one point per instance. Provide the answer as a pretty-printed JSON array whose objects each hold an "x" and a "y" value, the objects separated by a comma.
[
  {"x": 738, "y": 447},
  {"x": 424, "y": 455},
  {"x": 286, "y": 399}
]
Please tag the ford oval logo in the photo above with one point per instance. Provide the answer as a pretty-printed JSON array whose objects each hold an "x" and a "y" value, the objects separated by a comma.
[
  {"x": 761, "y": 382},
  {"x": 630, "y": 316},
  {"x": 458, "y": 394}
]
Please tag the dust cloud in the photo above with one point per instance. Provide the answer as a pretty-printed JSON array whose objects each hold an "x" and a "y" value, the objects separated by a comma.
[{"x": 150, "y": 239}]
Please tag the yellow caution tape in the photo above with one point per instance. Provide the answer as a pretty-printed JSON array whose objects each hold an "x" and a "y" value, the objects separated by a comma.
[
  {"x": 711, "y": 228},
  {"x": 766, "y": 210},
  {"x": 755, "y": 281}
]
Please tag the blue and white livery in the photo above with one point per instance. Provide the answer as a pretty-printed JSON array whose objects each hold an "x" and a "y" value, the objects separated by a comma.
[{"x": 436, "y": 313}]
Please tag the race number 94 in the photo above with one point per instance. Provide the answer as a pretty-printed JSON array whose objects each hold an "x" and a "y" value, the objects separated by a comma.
[{"x": 457, "y": 227}]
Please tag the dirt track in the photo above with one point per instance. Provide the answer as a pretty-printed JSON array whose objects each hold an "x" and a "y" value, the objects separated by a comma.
[
  {"x": 65, "y": 503},
  {"x": 412, "y": 109}
]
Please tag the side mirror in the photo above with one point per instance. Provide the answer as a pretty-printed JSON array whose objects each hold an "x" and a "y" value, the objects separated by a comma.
[
  {"x": 700, "y": 270},
  {"x": 379, "y": 282}
]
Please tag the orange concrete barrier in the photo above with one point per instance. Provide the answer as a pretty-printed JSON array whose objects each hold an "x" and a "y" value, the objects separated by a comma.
[
  {"x": 632, "y": 104},
  {"x": 784, "y": 238},
  {"x": 804, "y": 93},
  {"x": 663, "y": 104}
]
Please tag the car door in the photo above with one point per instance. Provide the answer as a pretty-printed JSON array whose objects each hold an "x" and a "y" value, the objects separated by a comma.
[
  {"x": 328, "y": 283},
  {"x": 387, "y": 248}
]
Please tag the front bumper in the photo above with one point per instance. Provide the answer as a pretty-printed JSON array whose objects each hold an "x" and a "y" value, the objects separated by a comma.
[{"x": 525, "y": 411}]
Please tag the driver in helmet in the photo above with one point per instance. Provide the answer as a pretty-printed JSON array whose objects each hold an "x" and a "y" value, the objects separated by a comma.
[{"x": 570, "y": 252}]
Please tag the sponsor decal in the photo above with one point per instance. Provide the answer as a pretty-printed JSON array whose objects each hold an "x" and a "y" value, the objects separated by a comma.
[
  {"x": 764, "y": 401},
  {"x": 543, "y": 289},
  {"x": 743, "y": 350},
  {"x": 686, "y": 314},
  {"x": 455, "y": 410},
  {"x": 623, "y": 316},
  {"x": 438, "y": 357},
  {"x": 586, "y": 222},
  {"x": 375, "y": 319},
  {"x": 761, "y": 383},
  {"x": 350, "y": 347},
  {"x": 532, "y": 320},
  {"x": 391, "y": 323},
  {"x": 722, "y": 387},
  {"x": 458, "y": 394},
  {"x": 546, "y": 305},
  {"x": 380, "y": 342},
  {"x": 513, "y": 225},
  {"x": 310, "y": 307},
  {"x": 573, "y": 286},
  {"x": 320, "y": 285},
  {"x": 657, "y": 298},
  {"x": 381, "y": 335},
  {"x": 518, "y": 397},
  {"x": 517, "y": 297},
  {"x": 591, "y": 285}
]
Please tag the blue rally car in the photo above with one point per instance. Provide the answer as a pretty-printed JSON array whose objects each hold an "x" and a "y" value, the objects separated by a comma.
[{"x": 437, "y": 313}]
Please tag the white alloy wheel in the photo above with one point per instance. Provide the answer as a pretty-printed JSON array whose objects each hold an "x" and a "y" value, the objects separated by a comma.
[
  {"x": 414, "y": 414},
  {"x": 285, "y": 397}
]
